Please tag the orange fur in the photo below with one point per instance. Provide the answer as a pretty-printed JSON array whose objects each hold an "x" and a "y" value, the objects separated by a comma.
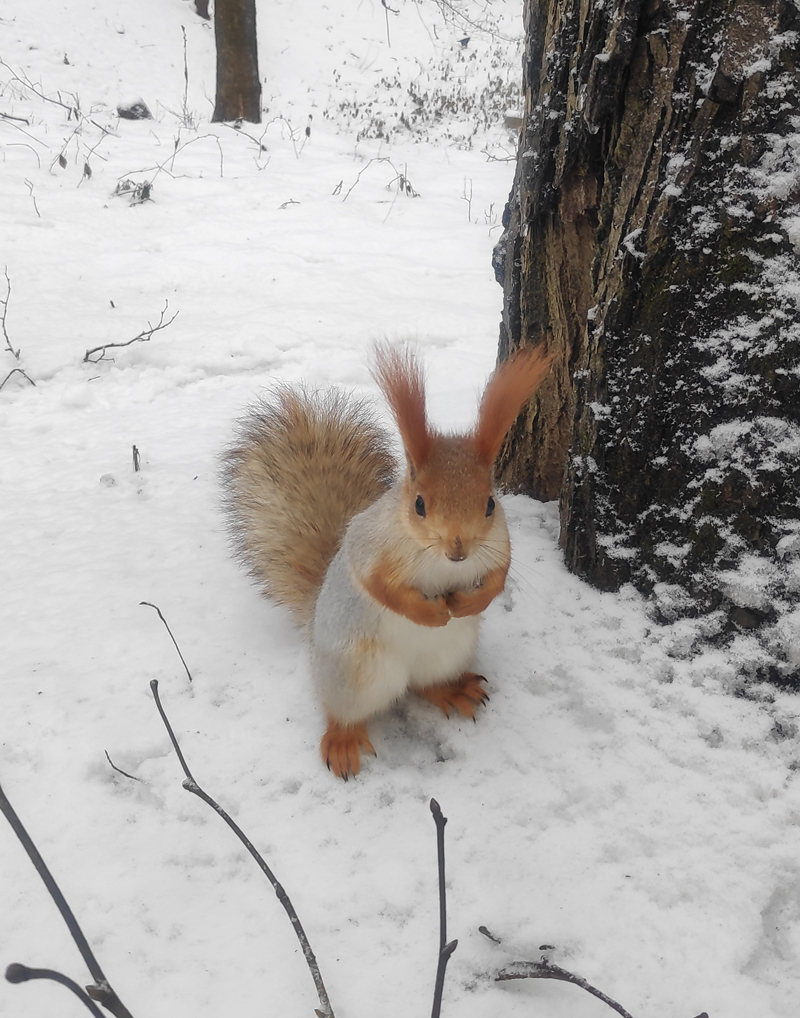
[
  {"x": 512, "y": 384},
  {"x": 341, "y": 746},
  {"x": 465, "y": 695},
  {"x": 400, "y": 378},
  {"x": 382, "y": 584}
]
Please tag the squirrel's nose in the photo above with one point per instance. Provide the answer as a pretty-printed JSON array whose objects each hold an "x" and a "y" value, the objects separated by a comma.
[{"x": 457, "y": 552}]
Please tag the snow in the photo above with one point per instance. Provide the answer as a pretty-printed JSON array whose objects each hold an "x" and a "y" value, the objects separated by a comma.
[{"x": 615, "y": 799}]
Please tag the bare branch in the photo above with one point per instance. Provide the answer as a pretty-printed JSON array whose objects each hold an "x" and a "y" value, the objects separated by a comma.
[
  {"x": 17, "y": 371},
  {"x": 17, "y": 973},
  {"x": 325, "y": 1010},
  {"x": 143, "y": 337},
  {"x": 445, "y": 949},
  {"x": 101, "y": 991},
  {"x": 449, "y": 10}
]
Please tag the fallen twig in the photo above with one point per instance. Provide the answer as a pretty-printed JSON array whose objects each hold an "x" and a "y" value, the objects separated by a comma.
[
  {"x": 119, "y": 770},
  {"x": 325, "y": 1010},
  {"x": 143, "y": 337},
  {"x": 445, "y": 949},
  {"x": 544, "y": 970},
  {"x": 101, "y": 990},
  {"x": 149, "y": 605}
]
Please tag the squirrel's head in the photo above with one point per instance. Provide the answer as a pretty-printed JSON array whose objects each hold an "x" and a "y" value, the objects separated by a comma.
[{"x": 449, "y": 500}]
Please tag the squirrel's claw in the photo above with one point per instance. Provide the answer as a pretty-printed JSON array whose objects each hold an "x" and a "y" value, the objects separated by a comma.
[
  {"x": 465, "y": 695},
  {"x": 341, "y": 746}
]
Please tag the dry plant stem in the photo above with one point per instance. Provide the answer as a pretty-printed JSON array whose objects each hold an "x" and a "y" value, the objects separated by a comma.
[
  {"x": 544, "y": 970},
  {"x": 445, "y": 949},
  {"x": 162, "y": 167},
  {"x": 375, "y": 159},
  {"x": 386, "y": 10},
  {"x": 143, "y": 337},
  {"x": 26, "y": 83},
  {"x": 21, "y": 974},
  {"x": 166, "y": 626},
  {"x": 101, "y": 991},
  {"x": 17, "y": 371},
  {"x": 29, "y": 185},
  {"x": 325, "y": 1010},
  {"x": 185, "y": 79},
  {"x": 252, "y": 137},
  {"x": 4, "y": 316}
]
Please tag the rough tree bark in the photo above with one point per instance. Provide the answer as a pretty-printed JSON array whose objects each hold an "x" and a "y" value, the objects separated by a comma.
[
  {"x": 238, "y": 86},
  {"x": 652, "y": 242}
]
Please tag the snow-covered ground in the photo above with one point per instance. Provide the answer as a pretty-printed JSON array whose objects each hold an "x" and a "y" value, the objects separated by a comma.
[{"x": 614, "y": 800}]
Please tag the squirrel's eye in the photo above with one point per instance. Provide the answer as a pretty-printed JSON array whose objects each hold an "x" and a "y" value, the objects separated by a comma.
[
  {"x": 490, "y": 506},
  {"x": 419, "y": 505}
]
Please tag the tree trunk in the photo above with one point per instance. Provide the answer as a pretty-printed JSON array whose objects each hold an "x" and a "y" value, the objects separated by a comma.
[
  {"x": 238, "y": 85},
  {"x": 651, "y": 241}
]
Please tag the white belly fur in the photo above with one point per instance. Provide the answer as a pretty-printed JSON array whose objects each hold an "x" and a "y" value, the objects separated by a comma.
[
  {"x": 362, "y": 674},
  {"x": 429, "y": 655}
]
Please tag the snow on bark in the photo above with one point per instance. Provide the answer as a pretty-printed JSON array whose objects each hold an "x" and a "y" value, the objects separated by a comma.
[{"x": 652, "y": 240}]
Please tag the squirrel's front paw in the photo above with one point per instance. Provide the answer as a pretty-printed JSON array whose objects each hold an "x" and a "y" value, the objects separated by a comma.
[
  {"x": 461, "y": 603},
  {"x": 437, "y": 610},
  {"x": 341, "y": 745}
]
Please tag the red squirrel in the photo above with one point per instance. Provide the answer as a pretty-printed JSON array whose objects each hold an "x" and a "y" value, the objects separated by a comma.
[{"x": 386, "y": 570}]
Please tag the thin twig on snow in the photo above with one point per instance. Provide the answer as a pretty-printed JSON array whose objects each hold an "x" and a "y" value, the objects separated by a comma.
[
  {"x": 144, "y": 337},
  {"x": 325, "y": 1010},
  {"x": 149, "y": 605},
  {"x": 17, "y": 973}
]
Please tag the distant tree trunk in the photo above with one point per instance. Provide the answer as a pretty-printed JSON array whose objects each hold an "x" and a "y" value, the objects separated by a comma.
[
  {"x": 238, "y": 85},
  {"x": 651, "y": 241}
]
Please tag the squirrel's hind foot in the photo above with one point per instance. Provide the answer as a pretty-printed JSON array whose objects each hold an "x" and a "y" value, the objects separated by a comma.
[
  {"x": 341, "y": 745},
  {"x": 465, "y": 695}
]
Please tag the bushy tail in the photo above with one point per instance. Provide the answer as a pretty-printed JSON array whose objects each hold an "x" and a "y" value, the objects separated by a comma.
[{"x": 303, "y": 466}]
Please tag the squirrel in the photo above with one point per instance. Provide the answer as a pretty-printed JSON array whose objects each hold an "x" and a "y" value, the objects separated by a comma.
[{"x": 387, "y": 571}]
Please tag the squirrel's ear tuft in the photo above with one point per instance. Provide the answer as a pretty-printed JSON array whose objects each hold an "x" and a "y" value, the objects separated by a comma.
[
  {"x": 400, "y": 378},
  {"x": 509, "y": 388}
]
